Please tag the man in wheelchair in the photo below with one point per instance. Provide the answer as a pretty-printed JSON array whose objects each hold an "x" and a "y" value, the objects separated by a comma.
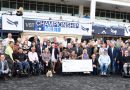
[
  {"x": 34, "y": 61},
  {"x": 4, "y": 68},
  {"x": 126, "y": 63},
  {"x": 21, "y": 62},
  {"x": 104, "y": 62}
]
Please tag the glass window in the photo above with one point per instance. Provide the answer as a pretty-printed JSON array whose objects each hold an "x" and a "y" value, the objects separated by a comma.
[
  {"x": 108, "y": 14},
  {"x": 13, "y": 5},
  {"x": 97, "y": 12},
  {"x": 52, "y": 8},
  {"x": 0, "y": 5},
  {"x": 32, "y": 6},
  {"x": 64, "y": 9},
  {"x": 19, "y": 4},
  {"x": 39, "y": 7},
  {"x": 76, "y": 11},
  {"x": 5, "y": 4},
  {"x": 26, "y": 6},
  {"x": 70, "y": 10},
  {"x": 46, "y": 7},
  {"x": 102, "y": 14},
  {"x": 128, "y": 16},
  {"x": 58, "y": 8},
  {"x": 112, "y": 14},
  {"x": 118, "y": 16}
]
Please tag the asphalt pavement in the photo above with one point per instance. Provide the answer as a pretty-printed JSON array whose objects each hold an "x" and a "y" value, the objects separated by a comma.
[{"x": 66, "y": 82}]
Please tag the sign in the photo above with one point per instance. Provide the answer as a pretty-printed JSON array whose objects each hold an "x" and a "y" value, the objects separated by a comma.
[
  {"x": 77, "y": 65},
  {"x": 0, "y": 22},
  {"x": 11, "y": 22},
  {"x": 127, "y": 30},
  {"x": 108, "y": 29},
  {"x": 59, "y": 26}
]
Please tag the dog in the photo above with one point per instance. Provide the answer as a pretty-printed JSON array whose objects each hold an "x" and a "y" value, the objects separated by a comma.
[{"x": 49, "y": 73}]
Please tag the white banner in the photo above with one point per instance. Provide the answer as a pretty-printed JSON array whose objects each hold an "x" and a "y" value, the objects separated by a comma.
[
  {"x": 77, "y": 65},
  {"x": 59, "y": 26},
  {"x": 12, "y": 22},
  {"x": 127, "y": 31}
]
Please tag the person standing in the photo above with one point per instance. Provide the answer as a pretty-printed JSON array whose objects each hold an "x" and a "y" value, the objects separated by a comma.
[
  {"x": 9, "y": 54},
  {"x": 54, "y": 56}
]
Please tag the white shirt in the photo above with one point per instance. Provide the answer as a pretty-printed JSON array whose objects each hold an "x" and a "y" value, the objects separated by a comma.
[
  {"x": 64, "y": 43},
  {"x": 6, "y": 41},
  {"x": 33, "y": 56}
]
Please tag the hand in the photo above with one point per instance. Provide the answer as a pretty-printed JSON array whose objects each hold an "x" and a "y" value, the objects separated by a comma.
[{"x": 118, "y": 62}]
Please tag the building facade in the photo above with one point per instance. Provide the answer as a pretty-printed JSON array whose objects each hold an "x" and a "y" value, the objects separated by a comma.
[{"x": 109, "y": 11}]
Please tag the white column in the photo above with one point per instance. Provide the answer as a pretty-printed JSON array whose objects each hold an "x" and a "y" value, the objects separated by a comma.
[
  {"x": 81, "y": 10},
  {"x": 93, "y": 9}
]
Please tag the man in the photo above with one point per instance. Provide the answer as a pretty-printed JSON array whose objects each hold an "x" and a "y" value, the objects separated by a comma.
[
  {"x": 4, "y": 68},
  {"x": 33, "y": 59},
  {"x": 113, "y": 53},
  {"x": 7, "y": 40},
  {"x": 64, "y": 42},
  {"x": 21, "y": 61},
  {"x": 78, "y": 51}
]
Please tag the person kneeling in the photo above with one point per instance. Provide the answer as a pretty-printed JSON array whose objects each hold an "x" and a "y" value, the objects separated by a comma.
[
  {"x": 104, "y": 62},
  {"x": 4, "y": 68}
]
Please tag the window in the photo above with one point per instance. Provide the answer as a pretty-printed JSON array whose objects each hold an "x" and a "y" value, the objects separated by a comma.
[
  {"x": 70, "y": 10},
  {"x": 52, "y": 8},
  {"x": 39, "y": 7},
  {"x": 118, "y": 15},
  {"x": 13, "y": 5},
  {"x": 64, "y": 9},
  {"x": 58, "y": 8},
  {"x": 97, "y": 12},
  {"x": 5, "y": 4},
  {"x": 108, "y": 14},
  {"x": 46, "y": 7},
  {"x": 76, "y": 11},
  {"x": 102, "y": 14},
  {"x": 26, "y": 6},
  {"x": 19, "y": 4},
  {"x": 32, "y": 6},
  {"x": 112, "y": 14}
]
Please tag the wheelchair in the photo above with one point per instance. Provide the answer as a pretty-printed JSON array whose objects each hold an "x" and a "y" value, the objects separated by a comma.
[{"x": 36, "y": 68}]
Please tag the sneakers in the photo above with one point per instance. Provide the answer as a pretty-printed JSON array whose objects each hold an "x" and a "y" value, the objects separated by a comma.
[{"x": 103, "y": 73}]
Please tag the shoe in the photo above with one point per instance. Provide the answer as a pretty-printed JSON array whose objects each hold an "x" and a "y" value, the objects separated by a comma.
[
  {"x": 105, "y": 73},
  {"x": 54, "y": 72}
]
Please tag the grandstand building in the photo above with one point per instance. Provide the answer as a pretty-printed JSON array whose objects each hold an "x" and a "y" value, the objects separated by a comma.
[{"x": 59, "y": 18}]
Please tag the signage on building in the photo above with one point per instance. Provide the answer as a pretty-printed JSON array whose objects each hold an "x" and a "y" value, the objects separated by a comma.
[
  {"x": 108, "y": 29},
  {"x": 12, "y": 22},
  {"x": 59, "y": 26}
]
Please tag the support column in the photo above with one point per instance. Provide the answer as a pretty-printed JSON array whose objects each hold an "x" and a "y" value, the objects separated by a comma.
[
  {"x": 81, "y": 10},
  {"x": 93, "y": 10}
]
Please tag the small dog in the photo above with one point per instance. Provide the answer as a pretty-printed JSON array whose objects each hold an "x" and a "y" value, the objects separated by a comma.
[{"x": 49, "y": 73}]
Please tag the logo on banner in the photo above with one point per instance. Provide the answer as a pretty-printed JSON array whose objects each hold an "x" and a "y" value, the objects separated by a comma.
[
  {"x": 12, "y": 23},
  {"x": 84, "y": 29}
]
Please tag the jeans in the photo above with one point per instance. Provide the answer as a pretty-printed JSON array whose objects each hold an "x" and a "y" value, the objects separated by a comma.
[
  {"x": 104, "y": 67},
  {"x": 23, "y": 65}
]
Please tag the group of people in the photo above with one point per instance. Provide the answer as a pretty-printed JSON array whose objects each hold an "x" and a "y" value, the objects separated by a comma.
[{"x": 108, "y": 56}]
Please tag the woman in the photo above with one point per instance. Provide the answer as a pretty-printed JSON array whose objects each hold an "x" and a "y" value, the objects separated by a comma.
[
  {"x": 95, "y": 64},
  {"x": 46, "y": 57},
  {"x": 73, "y": 55},
  {"x": 85, "y": 54},
  {"x": 54, "y": 55}
]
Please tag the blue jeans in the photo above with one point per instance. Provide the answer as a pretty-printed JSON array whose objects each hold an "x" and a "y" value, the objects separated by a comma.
[
  {"x": 104, "y": 67},
  {"x": 23, "y": 65}
]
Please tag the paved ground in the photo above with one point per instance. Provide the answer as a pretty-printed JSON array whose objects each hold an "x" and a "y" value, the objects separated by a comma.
[{"x": 74, "y": 82}]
